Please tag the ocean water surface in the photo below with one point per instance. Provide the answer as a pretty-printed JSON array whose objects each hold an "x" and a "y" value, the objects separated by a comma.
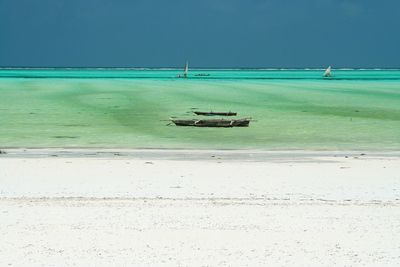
[{"x": 130, "y": 108}]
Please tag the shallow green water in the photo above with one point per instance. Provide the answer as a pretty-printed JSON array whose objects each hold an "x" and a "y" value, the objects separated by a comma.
[{"x": 293, "y": 109}]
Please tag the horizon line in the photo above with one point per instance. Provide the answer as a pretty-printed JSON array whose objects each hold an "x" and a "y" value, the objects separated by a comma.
[{"x": 197, "y": 68}]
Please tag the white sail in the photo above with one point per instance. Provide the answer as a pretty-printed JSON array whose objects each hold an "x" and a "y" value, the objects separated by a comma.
[
  {"x": 185, "y": 72},
  {"x": 328, "y": 72}
]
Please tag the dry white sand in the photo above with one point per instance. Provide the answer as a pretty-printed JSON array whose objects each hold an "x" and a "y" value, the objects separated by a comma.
[{"x": 199, "y": 208}]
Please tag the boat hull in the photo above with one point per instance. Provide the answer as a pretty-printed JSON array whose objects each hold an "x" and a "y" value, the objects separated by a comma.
[
  {"x": 215, "y": 113},
  {"x": 213, "y": 123}
]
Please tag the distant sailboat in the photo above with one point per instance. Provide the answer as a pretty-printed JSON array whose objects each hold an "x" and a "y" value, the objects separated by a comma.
[
  {"x": 185, "y": 72},
  {"x": 328, "y": 72}
]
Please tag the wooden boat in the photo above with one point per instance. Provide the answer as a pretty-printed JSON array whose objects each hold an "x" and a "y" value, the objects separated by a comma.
[
  {"x": 212, "y": 113},
  {"x": 213, "y": 123}
]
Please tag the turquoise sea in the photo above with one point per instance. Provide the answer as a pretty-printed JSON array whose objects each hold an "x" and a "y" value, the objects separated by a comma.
[{"x": 129, "y": 108}]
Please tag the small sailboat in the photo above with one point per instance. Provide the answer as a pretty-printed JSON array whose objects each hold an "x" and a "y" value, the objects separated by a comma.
[
  {"x": 186, "y": 70},
  {"x": 328, "y": 72}
]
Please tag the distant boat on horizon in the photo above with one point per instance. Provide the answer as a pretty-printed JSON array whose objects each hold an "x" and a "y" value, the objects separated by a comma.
[
  {"x": 328, "y": 72},
  {"x": 185, "y": 71}
]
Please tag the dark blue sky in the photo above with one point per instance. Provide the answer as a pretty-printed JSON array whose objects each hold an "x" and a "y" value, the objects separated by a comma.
[{"x": 209, "y": 33}]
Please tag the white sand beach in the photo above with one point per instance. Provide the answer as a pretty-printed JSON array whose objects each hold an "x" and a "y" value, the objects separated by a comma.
[{"x": 199, "y": 208}]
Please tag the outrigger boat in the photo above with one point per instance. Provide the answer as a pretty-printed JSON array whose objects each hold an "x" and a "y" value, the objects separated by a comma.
[
  {"x": 212, "y": 113},
  {"x": 213, "y": 123}
]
